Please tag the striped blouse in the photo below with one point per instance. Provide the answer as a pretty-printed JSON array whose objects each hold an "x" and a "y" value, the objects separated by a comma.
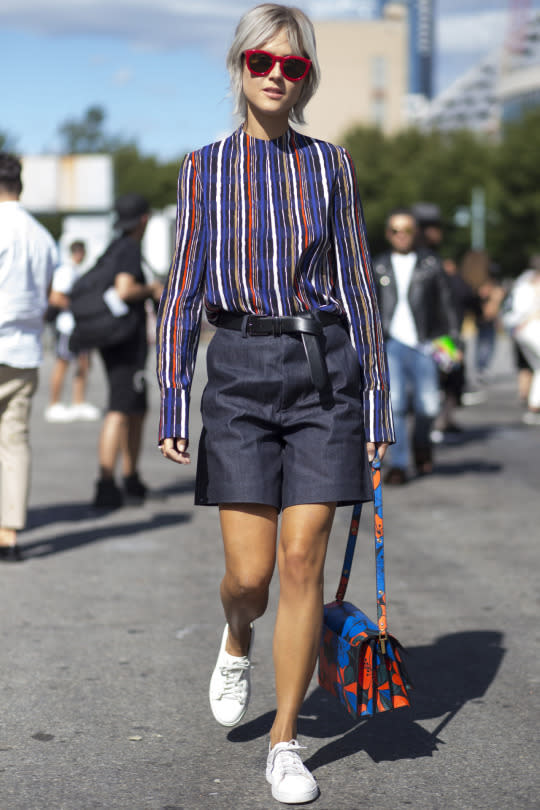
[{"x": 268, "y": 228}]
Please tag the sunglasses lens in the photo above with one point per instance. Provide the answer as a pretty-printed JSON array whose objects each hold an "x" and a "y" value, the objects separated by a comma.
[
  {"x": 259, "y": 63},
  {"x": 294, "y": 68}
]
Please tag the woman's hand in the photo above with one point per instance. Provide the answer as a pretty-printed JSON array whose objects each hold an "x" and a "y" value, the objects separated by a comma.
[
  {"x": 376, "y": 447},
  {"x": 176, "y": 450}
]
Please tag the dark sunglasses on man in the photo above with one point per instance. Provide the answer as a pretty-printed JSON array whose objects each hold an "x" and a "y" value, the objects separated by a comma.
[{"x": 261, "y": 63}]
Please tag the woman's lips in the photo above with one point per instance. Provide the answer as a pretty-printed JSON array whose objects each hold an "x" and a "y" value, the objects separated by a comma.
[{"x": 272, "y": 92}]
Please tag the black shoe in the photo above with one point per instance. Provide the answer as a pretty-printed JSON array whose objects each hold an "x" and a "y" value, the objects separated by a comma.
[
  {"x": 134, "y": 489},
  {"x": 108, "y": 495},
  {"x": 453, "y": 428},
  {"x": 423, "y": 460},
  {"x": 395, "y": 476},
  {"x": 10, "y": 554}
]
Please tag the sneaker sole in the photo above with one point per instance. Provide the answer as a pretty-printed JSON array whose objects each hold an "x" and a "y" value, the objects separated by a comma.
[{"x": 289, "y": 798}]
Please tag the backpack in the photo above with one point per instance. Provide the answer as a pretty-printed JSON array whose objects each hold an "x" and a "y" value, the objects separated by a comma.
[{"x": 102, "y": 318}]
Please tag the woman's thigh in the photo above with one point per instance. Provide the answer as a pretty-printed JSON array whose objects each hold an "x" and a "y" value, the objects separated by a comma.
[
  {"x": 305, "y": 529},
  {"x": 249, "y": 534}
]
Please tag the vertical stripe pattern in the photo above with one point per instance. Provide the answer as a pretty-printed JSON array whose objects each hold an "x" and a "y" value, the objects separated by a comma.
[{"x": 268, "y": 228}]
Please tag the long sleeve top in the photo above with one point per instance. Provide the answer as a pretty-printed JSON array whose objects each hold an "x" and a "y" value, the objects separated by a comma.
[{"x": 268, "y": 228}]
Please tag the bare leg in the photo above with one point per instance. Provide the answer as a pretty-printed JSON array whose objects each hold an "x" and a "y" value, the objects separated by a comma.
[
  {"x": 111, "y": 439},
  {"x": 249, "y": 539},
  {"x": 8, "y": 537},
  {"x": 131, "y": 443},
  {"x": 80, "y": 378},
  {"x": 301, "y": 555},
  {"x": 57, "y": 379}
]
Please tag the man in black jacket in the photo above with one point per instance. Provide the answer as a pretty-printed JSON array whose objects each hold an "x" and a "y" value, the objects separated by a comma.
[{"x": 416, "y": 307}]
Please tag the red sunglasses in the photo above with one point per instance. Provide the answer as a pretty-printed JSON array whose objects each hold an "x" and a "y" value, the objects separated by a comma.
[{"x": 261, "y": 63}]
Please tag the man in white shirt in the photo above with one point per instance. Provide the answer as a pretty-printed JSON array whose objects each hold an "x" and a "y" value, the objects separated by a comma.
[
  {"x": 64, "y": 278},
  {"x": 28, "y": 257},
  {"x": 416, "y": 307}
]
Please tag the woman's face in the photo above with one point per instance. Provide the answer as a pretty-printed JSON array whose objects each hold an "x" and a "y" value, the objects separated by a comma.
[{"x": 272, "y": 95}]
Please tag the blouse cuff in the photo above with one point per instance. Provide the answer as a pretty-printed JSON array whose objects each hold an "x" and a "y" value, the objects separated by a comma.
[
  {"x": 379, "y": 424},
  {"x": 174, "y": 414}
]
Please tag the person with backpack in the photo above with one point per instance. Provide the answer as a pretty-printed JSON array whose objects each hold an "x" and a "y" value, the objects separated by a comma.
[{"x": 119, "y": 270}]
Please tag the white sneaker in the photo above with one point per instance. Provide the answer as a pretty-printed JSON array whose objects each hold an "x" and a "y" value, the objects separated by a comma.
[
  {"x": 437, "y": 436},
  {"x": 531, "y": 418},
  {"x": 58, "y": 413},
  {"x": 291, "y": 781},
  {"x": 85, "y": 412},
  {"x": 230, "y": 684}
]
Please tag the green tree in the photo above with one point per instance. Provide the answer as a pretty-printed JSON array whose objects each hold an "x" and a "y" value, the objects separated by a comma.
[
  {"x": 145, "y": 174},
  {"x": 133, "y": 171},
  {"x": 518, "y": 206},
  {"x": 87, "y": 135},
  {"x": 410, "y": 166},
  {"x": 7, "y": 142}
]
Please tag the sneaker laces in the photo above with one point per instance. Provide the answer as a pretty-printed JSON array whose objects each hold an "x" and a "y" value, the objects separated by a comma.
[
  {"x": 234, "y": 686},
  {"x": 287, "y": 761}
]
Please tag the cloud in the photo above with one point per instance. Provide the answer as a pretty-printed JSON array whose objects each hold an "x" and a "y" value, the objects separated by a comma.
[
  {"x": 151, "y": 24},
  {"x": 122, "y": 76}
]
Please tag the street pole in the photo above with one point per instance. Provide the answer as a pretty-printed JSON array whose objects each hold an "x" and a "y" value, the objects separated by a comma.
[{"x": 478, "y": 218}]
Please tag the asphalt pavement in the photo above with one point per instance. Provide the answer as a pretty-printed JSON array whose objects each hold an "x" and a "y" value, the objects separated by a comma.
[{"x": 111, "y": 624}]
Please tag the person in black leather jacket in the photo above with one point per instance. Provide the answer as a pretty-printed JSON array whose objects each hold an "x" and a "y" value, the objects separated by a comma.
[{"x": 416, "y": 307}]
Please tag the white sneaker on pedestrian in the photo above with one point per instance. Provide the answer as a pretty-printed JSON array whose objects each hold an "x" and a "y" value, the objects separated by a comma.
[
  {"x": 531, "y": 418},
  {"x": 85, "y": 412},
  {"x": 58, "y": 413},
  {"x": 291, "y": 781},
  {"x": 230, "y": 685}
]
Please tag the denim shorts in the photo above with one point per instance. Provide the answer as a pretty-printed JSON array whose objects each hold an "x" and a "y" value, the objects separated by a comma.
[{"x": 269, "y": 437}]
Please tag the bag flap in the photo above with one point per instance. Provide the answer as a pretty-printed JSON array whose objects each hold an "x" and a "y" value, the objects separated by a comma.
[{"x": 350, "y": 623}]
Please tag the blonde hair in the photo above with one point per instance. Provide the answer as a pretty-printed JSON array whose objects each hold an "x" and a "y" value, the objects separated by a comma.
[{"x": 255, "y": 28}]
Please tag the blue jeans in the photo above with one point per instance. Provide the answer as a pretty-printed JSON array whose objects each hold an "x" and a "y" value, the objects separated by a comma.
[
  {"x": 414, "y": 382},
  {"x": 485, "y": 346}
]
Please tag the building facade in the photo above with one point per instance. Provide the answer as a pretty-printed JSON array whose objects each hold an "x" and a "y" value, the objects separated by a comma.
[
  {"x": 364, "y": 66},
  {"x": 500, "y": 88}
]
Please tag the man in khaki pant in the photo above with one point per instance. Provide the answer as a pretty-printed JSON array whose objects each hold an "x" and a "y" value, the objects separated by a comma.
[{"x": 28, "y": 258}]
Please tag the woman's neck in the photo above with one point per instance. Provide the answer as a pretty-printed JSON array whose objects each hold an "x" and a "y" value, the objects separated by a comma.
[{"x": 265, "y": 127}]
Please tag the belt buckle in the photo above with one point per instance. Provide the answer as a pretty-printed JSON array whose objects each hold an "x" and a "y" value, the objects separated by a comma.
[
  {"x": 250, "y": 325},
  {"x": 276, "y": 327}
]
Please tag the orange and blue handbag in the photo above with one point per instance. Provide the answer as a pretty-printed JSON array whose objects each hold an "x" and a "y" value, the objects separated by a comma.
[{"x": 359, "y": 663}]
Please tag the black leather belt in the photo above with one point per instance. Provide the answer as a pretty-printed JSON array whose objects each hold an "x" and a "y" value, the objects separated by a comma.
[{"x": 307, "y": 324}]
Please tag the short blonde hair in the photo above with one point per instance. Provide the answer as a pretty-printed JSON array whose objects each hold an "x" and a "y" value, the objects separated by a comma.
[{"x": 255, "y": 28}]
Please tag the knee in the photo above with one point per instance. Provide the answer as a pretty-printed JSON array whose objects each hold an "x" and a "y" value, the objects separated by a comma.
[
  {"x": 300, "y": 567},
  {"x": 429, "y": 405},
  {"x": 247, "y": 586},
  {"x": 399, "y": 402}
]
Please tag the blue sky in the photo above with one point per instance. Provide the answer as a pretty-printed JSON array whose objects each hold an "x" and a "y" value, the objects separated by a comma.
[{"x": 157, "y": 66}]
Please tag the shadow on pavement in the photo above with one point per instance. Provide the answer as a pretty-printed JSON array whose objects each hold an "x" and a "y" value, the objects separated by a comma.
[
  {"x": 455, "y": 669},
  {"x": 39, "y": 516},
  {"x": 74, "y": 539},
  {"x": 470, "y": 466}
]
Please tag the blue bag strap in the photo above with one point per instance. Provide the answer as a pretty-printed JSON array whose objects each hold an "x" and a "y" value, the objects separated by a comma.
[{"x": 379, "y": 549}]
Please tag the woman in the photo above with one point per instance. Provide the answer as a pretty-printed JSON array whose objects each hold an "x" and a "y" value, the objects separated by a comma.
[{"x": 270, "y": 236}]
